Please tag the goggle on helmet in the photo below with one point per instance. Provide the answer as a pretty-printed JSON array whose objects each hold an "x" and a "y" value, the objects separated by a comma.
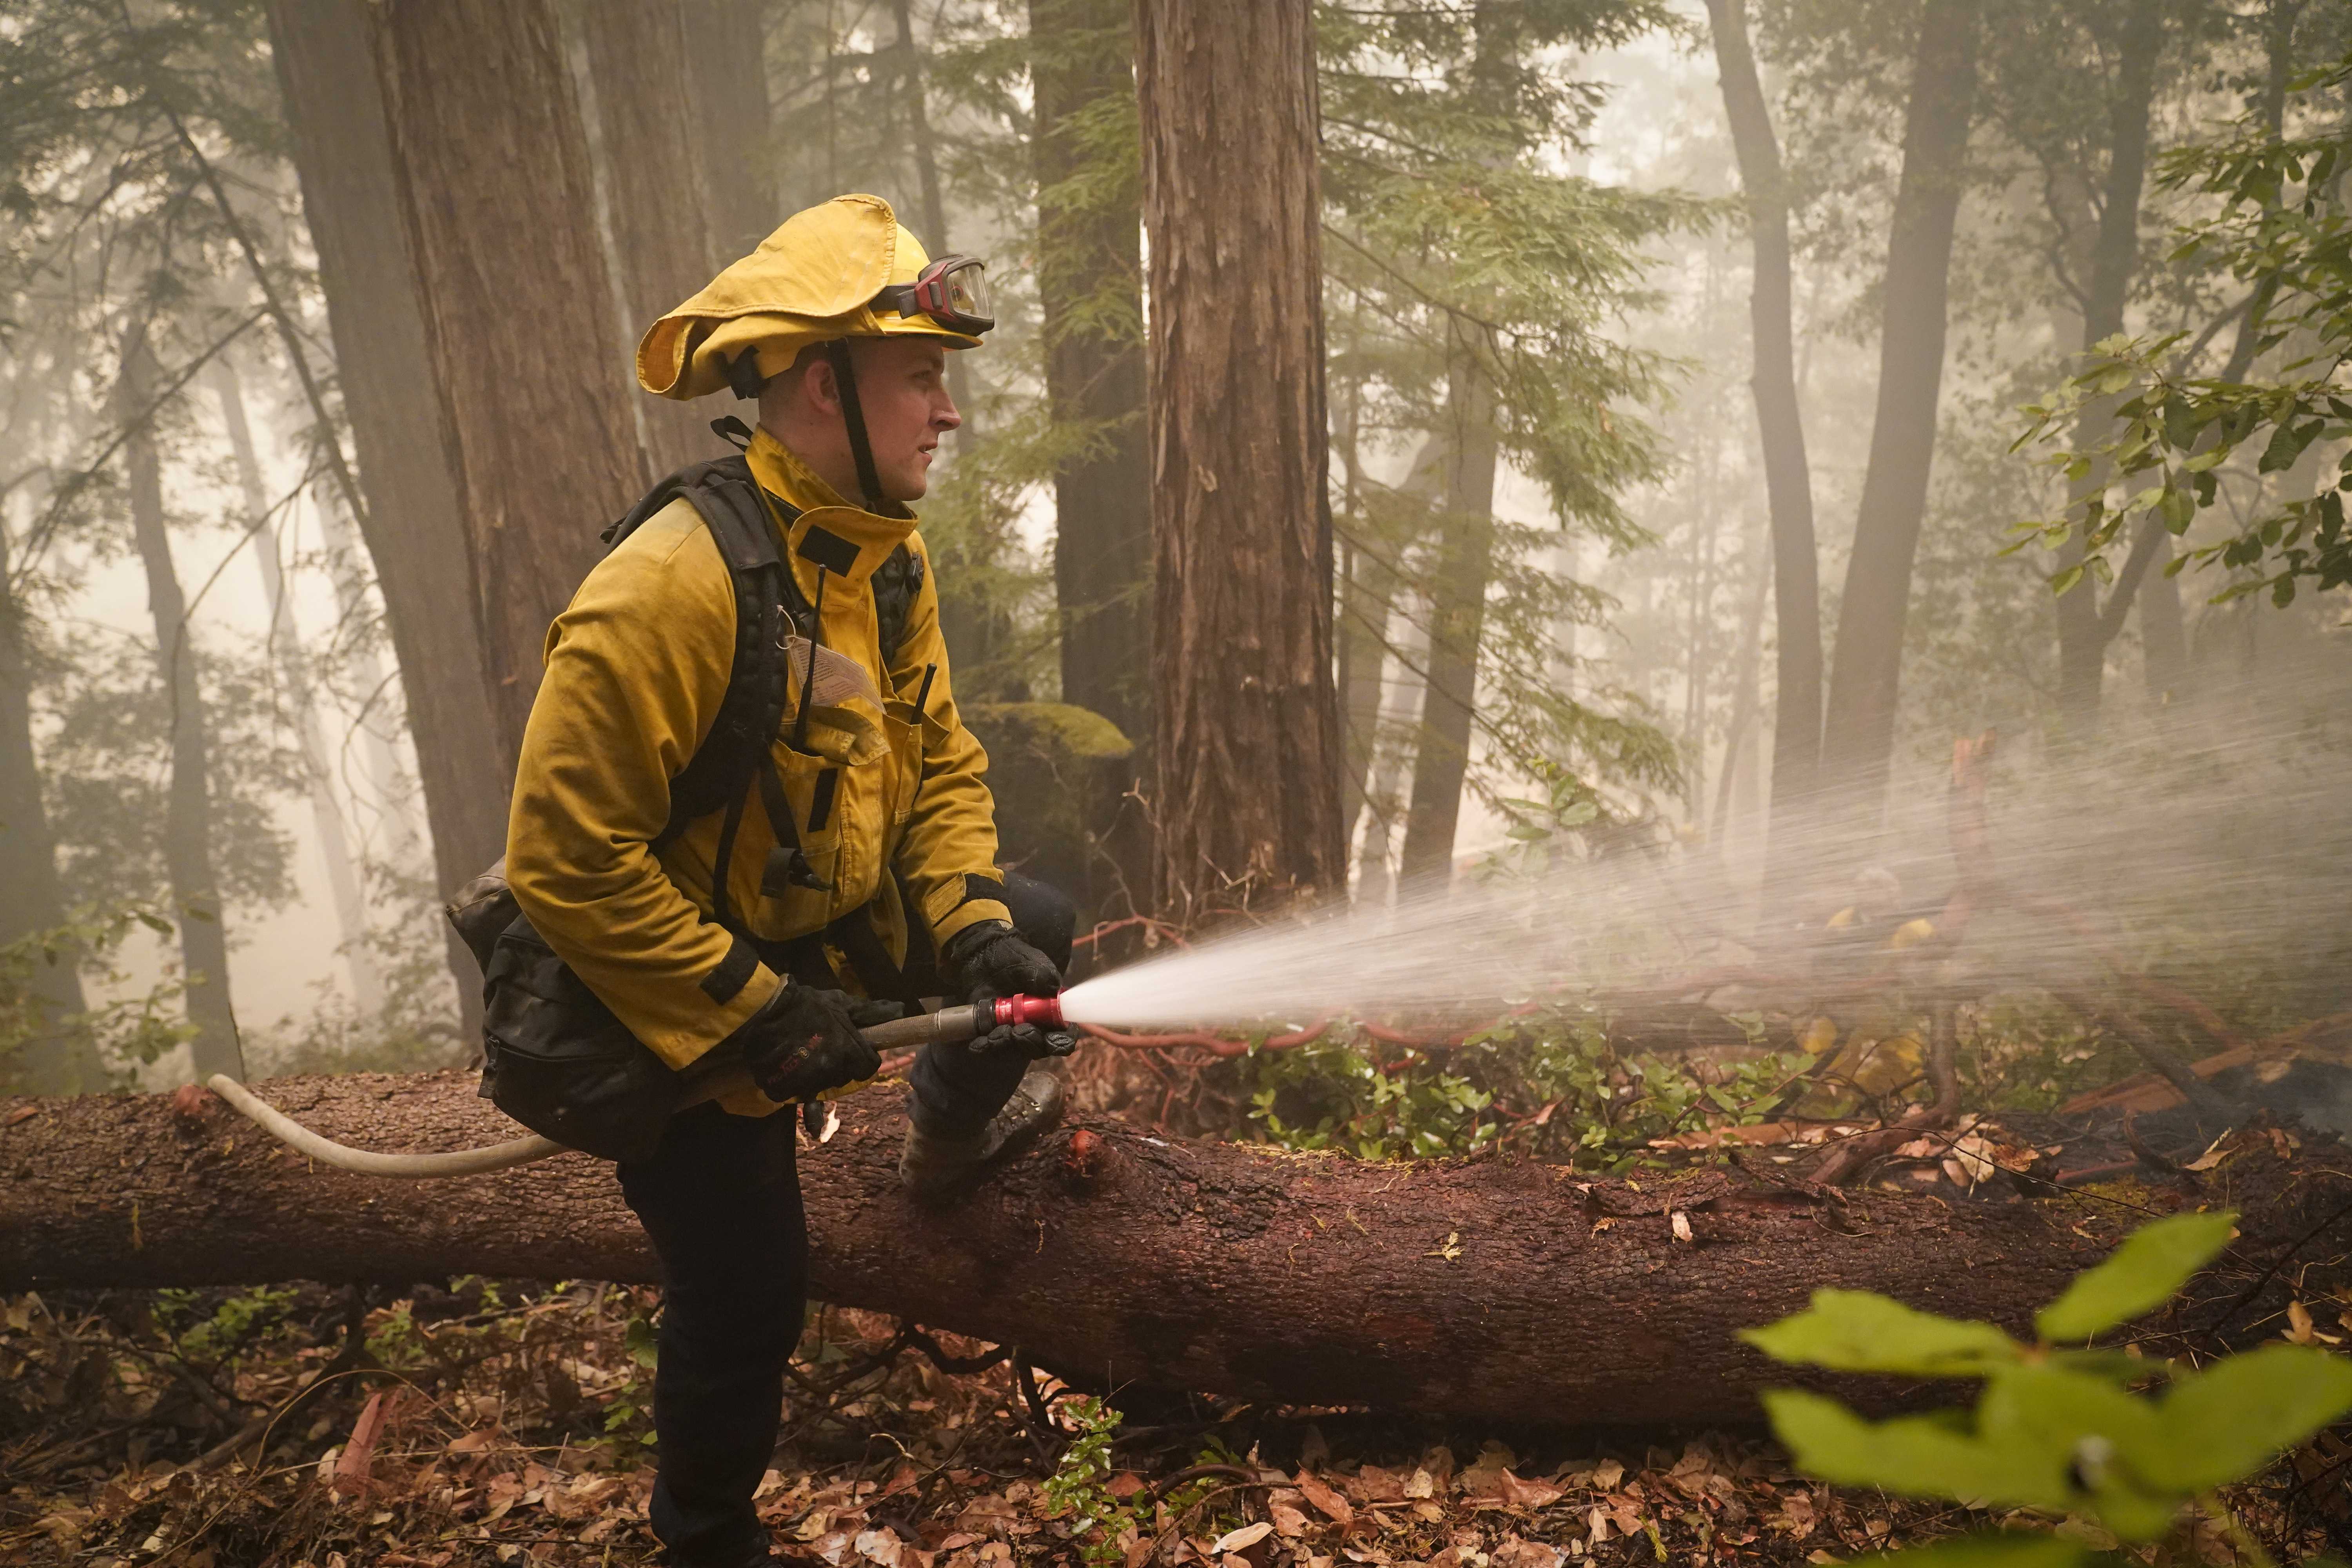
[{"x": 951, "y": 291}]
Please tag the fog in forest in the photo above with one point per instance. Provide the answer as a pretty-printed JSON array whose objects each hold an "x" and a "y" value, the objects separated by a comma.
[{"x": 204, "y": 392}]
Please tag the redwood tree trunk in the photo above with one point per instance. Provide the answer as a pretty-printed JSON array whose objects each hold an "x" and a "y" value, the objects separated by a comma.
[
  {"x": 1858, "y": 733},
  {"x": 1090, "y": 290},
  {"x": 413, "y": 527},
  {"x": 1247, "y": 729},
  {"x": 1780, "y": 429},
  {"x": 1457, "y": 624},
  {"x": 1487, "y": 1290},
  {"x": 531, "y": 380},
  {"x": 727, "y": 47},
  {"x": 652, "y": 162},
  {"x": 187, "y": 806}
]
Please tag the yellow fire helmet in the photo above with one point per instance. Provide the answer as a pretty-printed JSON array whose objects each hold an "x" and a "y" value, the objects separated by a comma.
[{"x": 846, "y": 268}]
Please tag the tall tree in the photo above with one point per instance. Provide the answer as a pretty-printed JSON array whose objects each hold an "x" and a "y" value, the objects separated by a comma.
[
  {"x": 187, "y": 822},
  {"x": 726, "y": 45},
  {"x": 53, "y": 1061},
  {"x": 1090, "y": 290},
  {"x": 1780, "y": 429},
  {"x": 1858, "y": 731},
  {"x": 328, "y": 823},
  {"x": 1247, "y": 727},
  {"x": 1457, "y": 616},
  {"x": 411, "y": 521},
  {"x": 655, "y": 202},
  {"x": 2085, "y": 627},
  {"x": 494, "y": 193}
]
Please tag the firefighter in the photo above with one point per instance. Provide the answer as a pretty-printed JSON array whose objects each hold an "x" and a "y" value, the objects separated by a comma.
[{"x": 857, "y": 866}]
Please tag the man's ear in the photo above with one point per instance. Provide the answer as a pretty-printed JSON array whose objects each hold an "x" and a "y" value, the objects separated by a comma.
[{"x": 819, "y": 386}]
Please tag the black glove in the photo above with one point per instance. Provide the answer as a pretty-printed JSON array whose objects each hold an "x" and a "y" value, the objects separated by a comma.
[
  {"x": 804, "y": 1040},
  {"x": 989, "y": 959}
]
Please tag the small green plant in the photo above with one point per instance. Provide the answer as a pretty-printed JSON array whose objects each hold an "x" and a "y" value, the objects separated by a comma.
[
  {"x": 1079, "y": 1487},
  {"x": 231, "y": 1326},
  {"x": 2060, "y": 1428},
  {"x": 628, "y": 1417}
]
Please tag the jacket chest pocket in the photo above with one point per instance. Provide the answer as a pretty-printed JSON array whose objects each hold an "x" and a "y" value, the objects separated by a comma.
[{"x": 825, "y": 857}]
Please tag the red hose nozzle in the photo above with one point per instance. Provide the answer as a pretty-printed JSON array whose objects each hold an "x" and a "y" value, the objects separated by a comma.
[{"x": 1045, "y": 1011}]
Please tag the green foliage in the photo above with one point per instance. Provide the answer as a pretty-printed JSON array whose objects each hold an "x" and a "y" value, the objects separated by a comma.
[
  {"x": 1078, "y": 1488},
  {"x": 234, "y": 1326},
  {"x": 135, "y": 1028},
  {"x": 2056, "y": 1429},
  {"x": 2283, "y": 233},
  {"x": 1547, "y": 1084}
]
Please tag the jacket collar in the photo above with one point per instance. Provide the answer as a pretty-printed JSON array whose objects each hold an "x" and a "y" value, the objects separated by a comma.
[{"x": 848, "y": 541}]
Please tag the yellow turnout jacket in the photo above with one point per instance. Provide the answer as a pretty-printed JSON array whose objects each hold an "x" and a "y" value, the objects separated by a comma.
[{"x": 636, "y": 670}]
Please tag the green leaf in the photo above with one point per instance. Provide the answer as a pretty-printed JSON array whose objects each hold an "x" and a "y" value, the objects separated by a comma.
[
  {"x": 2018, "y": 1549},
  {"x": 2286, "y": 445},
  {"x": 1912, "y": 1455},
  {"x": 2154, "y": 1262},
  {"x": 2063, "y": 583},
  {"x": 2085, "y": 1430},
  {"x": 2229, "y": 1421},
  {"x": 2180, "y": 510},
  {"x": 1856, "y": 1330}
]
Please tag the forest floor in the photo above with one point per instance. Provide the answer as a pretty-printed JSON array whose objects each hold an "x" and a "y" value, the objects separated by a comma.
[{"x": 507, "y": 1424}]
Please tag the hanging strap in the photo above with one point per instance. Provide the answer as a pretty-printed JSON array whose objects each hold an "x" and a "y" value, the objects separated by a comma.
[{"x": 853, "y": 416}]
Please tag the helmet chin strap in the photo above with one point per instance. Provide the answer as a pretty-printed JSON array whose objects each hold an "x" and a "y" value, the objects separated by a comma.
[{"x": 853, "y": 416}]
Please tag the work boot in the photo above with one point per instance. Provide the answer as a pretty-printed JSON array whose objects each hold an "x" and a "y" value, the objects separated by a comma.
[{"x": 934, "y": 1166}]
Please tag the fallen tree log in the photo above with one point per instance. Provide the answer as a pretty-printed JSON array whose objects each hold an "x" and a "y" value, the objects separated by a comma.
[{"x": 1501, "y": 1291}]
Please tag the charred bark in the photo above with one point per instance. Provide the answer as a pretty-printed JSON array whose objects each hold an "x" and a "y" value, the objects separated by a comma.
[
  {"x": 1090, "y": 291},
  {"x": 1516, "y": 1293},
  {"x": 492, "y": 165},
  {"x": 1858, "y": 731},
  {"x": 1780, "y": 429},
  {"x": 412, "y": 526},
  {"x": 1248, "y": 732}
]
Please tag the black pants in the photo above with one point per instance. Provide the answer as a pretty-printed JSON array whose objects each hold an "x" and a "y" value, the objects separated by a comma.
[{"x": 720, "y": 1201}]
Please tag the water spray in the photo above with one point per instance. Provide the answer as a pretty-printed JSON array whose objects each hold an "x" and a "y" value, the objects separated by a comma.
[{"x": 705, "y": 1081}]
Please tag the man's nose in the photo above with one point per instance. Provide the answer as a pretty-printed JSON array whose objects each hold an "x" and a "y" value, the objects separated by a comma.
[{"x": 944, "y": 416}]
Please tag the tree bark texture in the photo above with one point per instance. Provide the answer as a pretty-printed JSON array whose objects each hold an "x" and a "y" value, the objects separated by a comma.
[
  {"x": 1858, "y": 731},
  {"x": 726, "y": 61},
  {"x": 1457, "y": 623},
  {"x": 1090, "y": 290},
  {"x": 2084, "y": 627},
  {"x": 495, "y": 191},
  {"x": 414, "y": 526},
  {"x": 654, "y": 197},
  {"x": 1780, "y": 431},
  {"x": 1485, "y": 1290},
  {"x": 1247, "y": 732},
  {"x": 50, "y": 1062},
  {"x": 187, "y": 804},
  {"x": 1500, "y": 1291}
]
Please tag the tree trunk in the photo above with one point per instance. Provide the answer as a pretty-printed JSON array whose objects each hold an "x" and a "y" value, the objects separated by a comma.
[
  {"x": 1090, "y": 290},
  {"x": 187, "y": 807},
  {"x": 1780, "y": 429},
  {"x": 652, "y": 163},
  {"x": 1858, "y": 731},
  {"x": 413, "y": 525},
  {"x": 53, "y": 1060},
  {"x": 1247, "y": 727},
  {"x": 728, "y": 47},
  {"x": 1744, "y": 679},
  {"x": 494, "y": 192},
  {"x": 327, "y": 818},
  {"x": 1457, "y": 623},
  {"x": 2085, "y": 630},
  {"x": 1490, "y": 1291}
]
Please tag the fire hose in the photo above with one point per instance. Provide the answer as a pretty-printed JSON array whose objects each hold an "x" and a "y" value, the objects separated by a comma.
[{"x": 706, "y": 1080}]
